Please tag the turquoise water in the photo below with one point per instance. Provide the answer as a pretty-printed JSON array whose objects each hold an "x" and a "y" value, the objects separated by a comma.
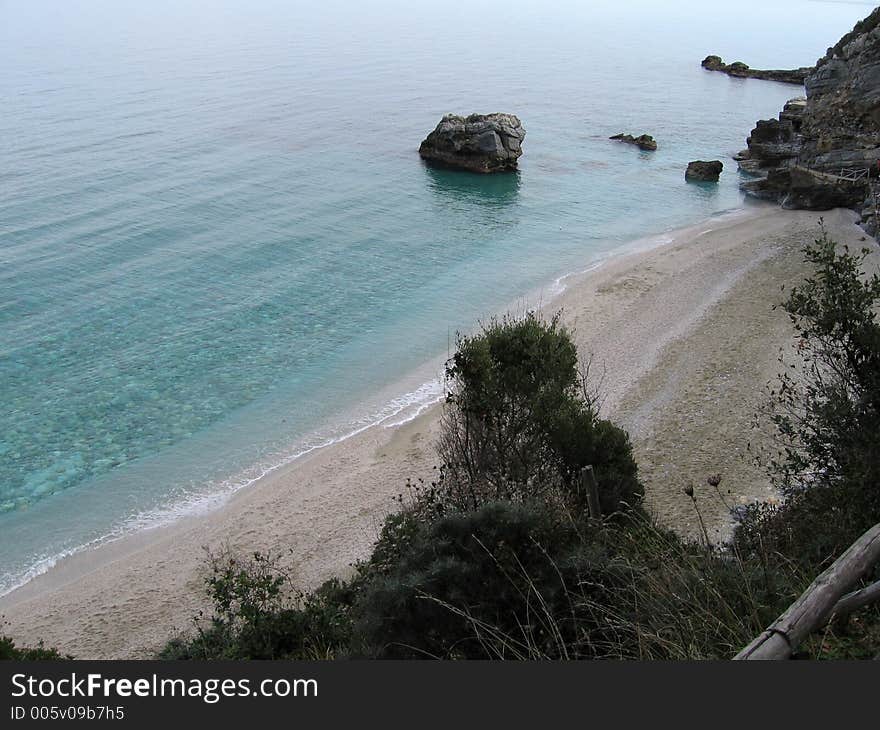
[{"x": 219, "y": 248}]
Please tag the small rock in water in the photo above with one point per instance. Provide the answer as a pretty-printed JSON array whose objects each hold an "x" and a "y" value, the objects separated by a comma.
[
  {"x": 702, "y": 171},
  {"x": 643, "y": 141}
]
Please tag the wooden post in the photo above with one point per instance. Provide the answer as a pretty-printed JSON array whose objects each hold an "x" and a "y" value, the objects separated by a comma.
[
  {"x": 817, "y": 604},
  {"x": 591, "y": 489}
]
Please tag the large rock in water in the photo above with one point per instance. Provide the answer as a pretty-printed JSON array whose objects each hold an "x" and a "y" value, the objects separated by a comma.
[
  {"x": 480, "y": 142},
  {"x": 702, "y": 171},
  {"x": 820, "y": 152}
]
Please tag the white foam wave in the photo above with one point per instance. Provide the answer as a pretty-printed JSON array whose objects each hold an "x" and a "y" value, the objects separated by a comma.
[{"x": 396, "y": 412}]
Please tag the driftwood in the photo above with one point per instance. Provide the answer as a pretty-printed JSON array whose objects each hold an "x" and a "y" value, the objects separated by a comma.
[
  {"x": 591, "y": 488},
  {"x": 852, "y": 602},
  {"x": 821, "y": 601}
]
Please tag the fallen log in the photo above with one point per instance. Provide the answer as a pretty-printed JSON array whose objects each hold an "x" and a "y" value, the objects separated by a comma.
[
  {"x": 852, "y": 602},
  {"x": 819, "y": 602}
]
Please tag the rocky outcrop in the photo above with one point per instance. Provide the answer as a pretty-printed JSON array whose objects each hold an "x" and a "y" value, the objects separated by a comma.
[
  {"x": 741, "y": 70},
  {"x": 823, "y": 151},
  {"x": 701, "y": 171},
  {"x": 480, "y": 142},
  {"x": 794, "y": 111},
  {"x": 774, "y": 143},
  {"x": 643, "y": 141},
  {"x": 798, "y": 187}
]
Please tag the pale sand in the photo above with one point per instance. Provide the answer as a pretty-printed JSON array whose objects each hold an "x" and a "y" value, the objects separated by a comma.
[{"x": 686, "y": 335}]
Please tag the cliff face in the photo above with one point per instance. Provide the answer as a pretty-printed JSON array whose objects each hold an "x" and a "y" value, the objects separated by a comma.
[
  {"x": 819, "y": 153},
  {"x": 841, "y": 126}
]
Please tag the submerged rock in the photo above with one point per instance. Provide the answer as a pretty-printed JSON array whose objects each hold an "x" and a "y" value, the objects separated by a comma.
[
  {"x": 702, "y": 171},
  {"x": 643, "y": 141},
  {"x": 480, "y": 142},
  {"x": 741, "y": 70}
]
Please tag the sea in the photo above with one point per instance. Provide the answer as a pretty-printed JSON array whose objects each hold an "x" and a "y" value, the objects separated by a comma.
[{"x": 219, "y": 249}]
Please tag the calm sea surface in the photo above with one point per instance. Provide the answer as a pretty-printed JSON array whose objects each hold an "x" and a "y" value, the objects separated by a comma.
[{"x": 219, "y": 248}]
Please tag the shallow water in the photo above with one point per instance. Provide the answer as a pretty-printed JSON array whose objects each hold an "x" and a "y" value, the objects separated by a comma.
[{"x": 219, "y": 248}]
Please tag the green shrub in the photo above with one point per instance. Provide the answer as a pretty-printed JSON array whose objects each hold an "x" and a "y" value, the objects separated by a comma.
[
  {"x": 255, "y": 615},
  {"x": 579, "y": 438},
  {"x": 685, "y": 600},
  {"x": 518, "y": 581},
  {"x": 520, "y": 422},
  {"x": 510, "y": 580},
  {"x": 9, "y": 651},
  {"x": 492, "y": 583},
  {"x": 489, "y": 560},
  {"x": 827, "y": 414},
  {"x": 826, "y": 410}
]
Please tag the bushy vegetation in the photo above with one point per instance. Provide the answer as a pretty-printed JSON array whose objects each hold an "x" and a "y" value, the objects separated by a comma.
[
  {"x": 826, "y": 409},
  {"x": 518, "y": 581},
  {"x": 255, "y": 615},
  {"x": 498, "y": 557},
  {"x": 502, "y": 531},
  {"x": 827, "y": 413},
  {"x": 9, "y": 651},
  {"x": 507, "y": 580},
  {"x": 522, "y": 423}
]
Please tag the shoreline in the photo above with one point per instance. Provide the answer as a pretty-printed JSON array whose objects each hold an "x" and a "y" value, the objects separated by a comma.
[
  {"x": 634, "y": 311},
  {"x": 410, "y": 396}
]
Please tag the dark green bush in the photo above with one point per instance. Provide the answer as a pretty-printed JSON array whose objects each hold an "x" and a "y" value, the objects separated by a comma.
[
  {"x": 492, "y": 583},
  {"x": 9, "y": 651},
  {"x": 827, "y": 414},
  {"x": 489, "y": 560},
  {"x": 256, "y": 617},
  {"x": 579, "y": 438},
  {"x": 517, "y": 581},
  {"x": 520, "y": 422},
  {"x": 511, "y": 580}
]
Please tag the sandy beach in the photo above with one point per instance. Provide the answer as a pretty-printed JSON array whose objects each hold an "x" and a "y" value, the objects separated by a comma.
[{"x": 685, "y": 337}]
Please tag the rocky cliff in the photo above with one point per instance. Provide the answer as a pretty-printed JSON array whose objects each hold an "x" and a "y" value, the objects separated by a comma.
[
  {"x": 480, "y": 142},
  {"x": 823, "y": 151}
]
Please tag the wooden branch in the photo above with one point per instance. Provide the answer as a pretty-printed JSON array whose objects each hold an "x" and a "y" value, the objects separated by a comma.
[
  {"x": 852, "y": 602},
  {"x": 817, "y": 604},
  {"x": 591, "y": 488}
]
